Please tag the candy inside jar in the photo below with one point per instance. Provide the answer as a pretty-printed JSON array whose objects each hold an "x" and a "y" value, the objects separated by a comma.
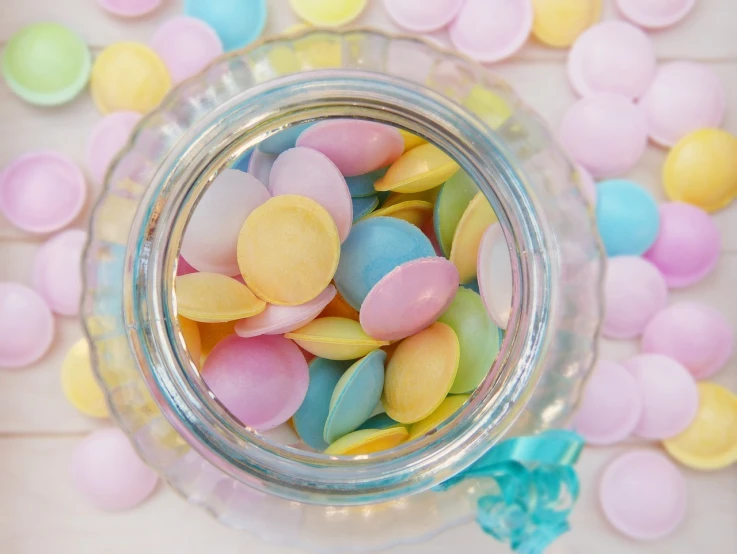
[{"x": 353, "y": 290}]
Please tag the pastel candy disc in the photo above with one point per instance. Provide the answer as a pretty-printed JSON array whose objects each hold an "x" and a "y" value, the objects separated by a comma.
[
  {"x": 355, "y": 396},
  {"x": 328, "y": 13},
  {"x": 260, "y": 164},
  {"x": 215, "y": 298},
  {"x": 627, "y": 217},
  {"x": 57, "y": 271},
  {"x": 310, "y": 173},
  {"x": 467, "y": 237},
  {"x": 478, "y": 337},
  {"x": 416, "y": 212},
  {"x": 420, "y": 373},
  {"x": 710, "y": 442},
  {"x": 78, "y": 381},
  {"x": 559, "y": 23},
  {"x": 442, "y": 413},
  {"x": 277, "y": 320},
  {"x": 363, "y": 185},
  {"x": 422, "y": 16},
  {"x": 643, "y": 495},
  {"x": 309, "y": 420},
  {"x": 285, "y": 233},
  {"x": 374, "y": 248},
  {"x": 367, "y": 441},
  {"x": 210, "y": 241},
  {"x": 453, "y": 199},
  {"x": 422, "y": 168},
  {"x": 335, "y": 338},
  {"x": 283, "y": 139},
  {"x": 106, "y": 140},
  {"x": 409, "y": 298},
  {"x": 26, "y": 326},
  {"x": 655, "y": 14},
  {"x": 355, "y": 146},
  {"x": 364, "y": 206},
  {"x": 494, "y": 273},
  {"x": 261, "y": 380}
]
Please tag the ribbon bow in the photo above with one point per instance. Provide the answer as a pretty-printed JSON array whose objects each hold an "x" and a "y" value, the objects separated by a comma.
[{"x": 537, "y": 484}]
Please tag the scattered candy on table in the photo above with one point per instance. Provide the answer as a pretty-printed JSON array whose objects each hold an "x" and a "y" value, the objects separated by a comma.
[{"x": 318, "y": 281}]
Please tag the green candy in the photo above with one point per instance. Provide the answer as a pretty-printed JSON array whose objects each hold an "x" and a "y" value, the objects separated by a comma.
[
  {"x": 452, "y": 201},
  {"x": 46, "y": 64},
  {"x": 479, "y": 339}
]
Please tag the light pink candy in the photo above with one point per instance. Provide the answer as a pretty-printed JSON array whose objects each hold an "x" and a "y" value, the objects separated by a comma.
[
  {"x": 183, "y": 267},
  {"x": 611, "y": 405},
  {"x": 495, "y": 277},
  {"x": 107, "y": 139},
  {"x": 492, "y": 30},
  {"x": 129, "y": 8},
  {"x": 260, "y": 165},
  {"x": 211, "y": 238},
  {"x": 107, "y": 471},
  {"x": 26, "y": 326},
  {"x": 186, "y": 45},
  {"x": 355, "y": 146},
  {"x": 683, "y": 97},
  {"x": 612, "y": 56},
  {"x": 605, "y": 133},
  {"x": 688, "y": 244},
  {"x": 670, "y": 398},
  {"x": 277, "y": 320},
  {"x": 422, "y": 16},
  {"x": 310, "y": 173},
  {"x": 655, "y": 14},
  {"x": 634, "y": 291},
  {"x": 57, "y": 271},
  {"x": 260, "y": 380},
  {"x": 42, "y": 191},
  {"x": 643, "y": 495},
  {"x": 695, "y": 335},
  {"x": 409, "y": 298}
]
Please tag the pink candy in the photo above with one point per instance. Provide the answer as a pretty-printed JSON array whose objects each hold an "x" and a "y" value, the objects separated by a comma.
[
  {"x": 57, "y": 271},
  {"x": 655, "y": 14},
  {"x": 26, "y": 326},
  {"x": 669, "y": 395},
  {"x": 422, "y": 16},
  {"x": 260, "y": 380},
  {"x": 605, "y": 133},
  {"x": 695, "y": 335},
  {"x": 688, "y": 244},
  {"x": 107, "y": 139},
  {"x": 109, "y": 473},
  {"x": 634, "y": 291},
  {"x": 355, "y": 146}
]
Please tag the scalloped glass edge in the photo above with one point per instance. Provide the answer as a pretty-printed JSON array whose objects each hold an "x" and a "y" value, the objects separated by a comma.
[{"x": 275, "y": 520}]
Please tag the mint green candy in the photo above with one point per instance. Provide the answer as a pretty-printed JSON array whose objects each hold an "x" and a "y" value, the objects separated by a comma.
[
  {"x": 454, "y": 197},
  {"x": 46, "y": 64}
]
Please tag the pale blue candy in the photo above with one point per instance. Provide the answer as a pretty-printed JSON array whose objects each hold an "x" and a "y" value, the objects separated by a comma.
[
  {"x": 283, "y": 140},
  {"x": 379, "y": 421},
  {"x": 363, "y": 185},
  {"x": 236, "y": 22},
  {"x": 355, "y": 396},
  {"x": 241, "y": 164},
  {"x": 627, "y": 216},
  {"x": 309, "y": 420},
  {"x": 364, "y": 206},
  {"x": 375, "y": 247},
  {"x": 472, "y": 285}
]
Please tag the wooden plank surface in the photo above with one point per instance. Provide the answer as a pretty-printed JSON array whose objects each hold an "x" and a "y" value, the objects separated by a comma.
[{"x": 39, "y": 510}]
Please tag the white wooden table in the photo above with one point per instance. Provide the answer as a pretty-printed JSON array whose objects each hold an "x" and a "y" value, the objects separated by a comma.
[{"x": 39, "y": 510}]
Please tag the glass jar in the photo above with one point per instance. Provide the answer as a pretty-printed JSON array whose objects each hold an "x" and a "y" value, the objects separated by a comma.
[{"x": 247, "y": 479}]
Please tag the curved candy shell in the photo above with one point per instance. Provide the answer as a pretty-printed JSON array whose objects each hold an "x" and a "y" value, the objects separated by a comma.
[
  {"x": 368, "y": 441},
  {"x": 363, "y": 207},
  {"x": 447, "y": 408},
  {"x": 453, "y": 199},
  {"x": 416, "y": 212},
  {"x": 422, "y": 168},
  {"x": 215, "y": 298},
  {"x": 335, "y": 338},
  {"x": 467, "y": 238}
]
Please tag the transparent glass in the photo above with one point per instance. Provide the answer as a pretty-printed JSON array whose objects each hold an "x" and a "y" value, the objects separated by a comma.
[{"x": 243, "y": 478}]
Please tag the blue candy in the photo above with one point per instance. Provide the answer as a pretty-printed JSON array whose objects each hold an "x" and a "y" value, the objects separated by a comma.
[
  {"x": 237, "y": 22},
  {"x": 241, "y": 164},
  {"x": 364, "y": 206},
  {"x": 283, "y": 140},
  {"x": 355, "y": 396},
  {"x": 627, "y": 216},
  {"x": 309, "y": 420},
  {"x": 363, "y": 185},
  {"x": 374, "y": 248},
  {"x": 379, "y": 421}
]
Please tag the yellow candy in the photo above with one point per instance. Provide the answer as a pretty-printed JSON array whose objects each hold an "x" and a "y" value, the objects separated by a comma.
[
  {"x": 213, "y": 333},
  {"x": 420, "y": 373},
  {"x": 491, "y": 108},
  {"x": 318, "y": 52},
  {"x": 328, "y": 13},
  {"x": 128, "y": 76},
  {"x": 467, "y": 238},
  {"x": 447, "y": 408},
  {"x": 420, "y": 169},
  {"x": 710, "y": 442},
  {"x": 415, "y": 212},
  {"x": 411, "y": 140},
  {"x": 560, "y": 22},
  {"x": 335, "y": 338},
  {"x": 338, "y": 307},
  {"x": 288, "y": 250},
  {"x": 215, "y": 298},
  {"x": 426, "y": 196},
  {"x": 368, "y": 441},
  {"x": 191, "y": 334},
  {"x": 79, "y": 384},
  {"x": 701, "y": 169}
]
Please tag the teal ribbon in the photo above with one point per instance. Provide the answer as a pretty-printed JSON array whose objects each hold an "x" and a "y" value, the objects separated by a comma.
[{"x": 538, "y": 488}]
